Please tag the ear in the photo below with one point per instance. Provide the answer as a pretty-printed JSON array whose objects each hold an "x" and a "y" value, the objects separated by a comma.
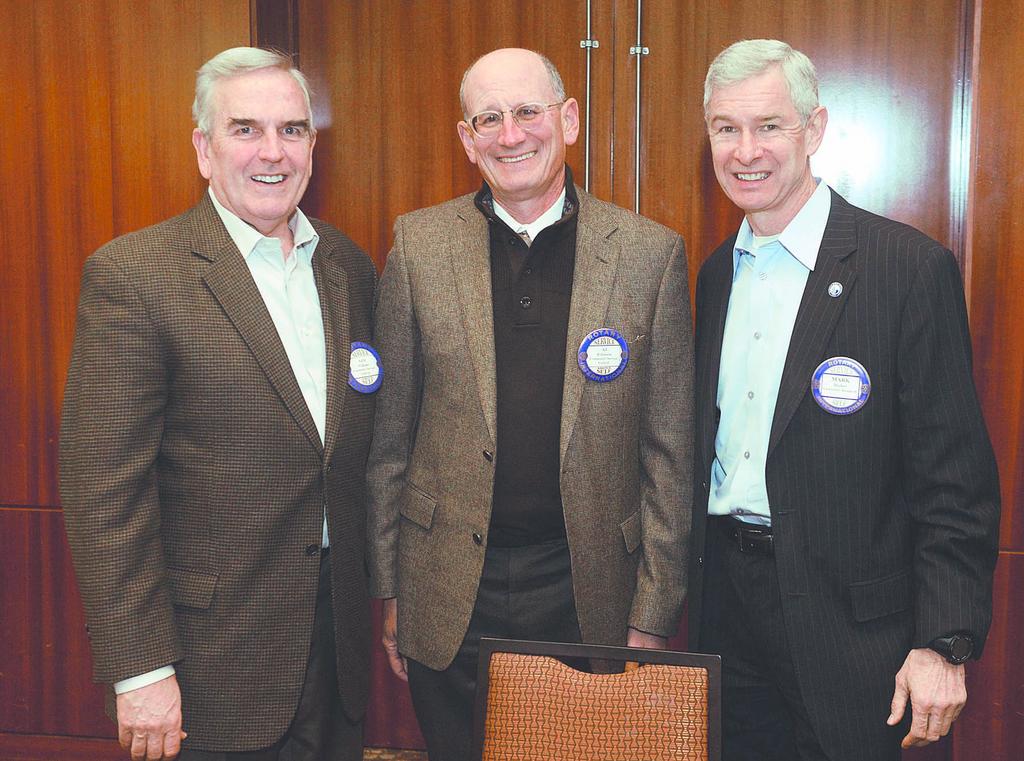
[
  {"x": 816, "y": 129},
  {"x": 570, "y": 115},
  {"x": 202, "y": 145},
  {"x": 466, "y": 135}
]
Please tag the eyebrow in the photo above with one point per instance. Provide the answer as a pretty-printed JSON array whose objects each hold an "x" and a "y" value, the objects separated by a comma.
[{"x": 236, "y": 121}]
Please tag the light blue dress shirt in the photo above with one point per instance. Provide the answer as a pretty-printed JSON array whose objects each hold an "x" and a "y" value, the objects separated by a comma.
[{"x": 769, "y": 275}]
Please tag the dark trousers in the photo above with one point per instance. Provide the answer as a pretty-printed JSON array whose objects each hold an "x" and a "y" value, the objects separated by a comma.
[
  {"x": 320, "y": 730},
  {"x": 524, "y": 593},
  {"x": 763, "y": 713}
]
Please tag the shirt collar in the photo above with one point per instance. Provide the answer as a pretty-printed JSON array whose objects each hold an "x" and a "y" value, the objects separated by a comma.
[
  {"x": 802, "y": 236},
  {"x": 553, "y": 214},
  {"x": 247, "y": 237}
]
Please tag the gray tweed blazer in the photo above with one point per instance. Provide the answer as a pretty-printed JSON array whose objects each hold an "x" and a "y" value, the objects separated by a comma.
[{"x": 625, "y": 445}]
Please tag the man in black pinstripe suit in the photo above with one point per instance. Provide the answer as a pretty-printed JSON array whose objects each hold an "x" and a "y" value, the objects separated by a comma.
[{"x": 847, "y": 502}]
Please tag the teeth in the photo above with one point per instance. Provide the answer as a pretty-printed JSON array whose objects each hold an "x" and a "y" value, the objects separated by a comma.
[
  {"x": 517, "y": 159},
  {"x": 752, "y": 175},
  {"x": 269, "y": 179}
]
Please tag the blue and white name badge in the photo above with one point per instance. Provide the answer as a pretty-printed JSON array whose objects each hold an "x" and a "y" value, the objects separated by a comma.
[
  {"x": 365, "y": 371},
  {"x": 603, "y": 355},
  {"x": 841, "y": 385}
]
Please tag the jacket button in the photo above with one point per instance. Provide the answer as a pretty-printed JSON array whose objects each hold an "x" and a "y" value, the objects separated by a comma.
[
  {"x": 525, "y": 302},
  {"x": 477, "y": 539},
  {"x": 700, "y": 560},
  {"x": 313, "y": 549},
  {"x": 488, "y": 455}
]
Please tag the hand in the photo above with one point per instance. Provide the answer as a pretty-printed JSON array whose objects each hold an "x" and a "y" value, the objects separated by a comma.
[
  {"x": 149, "y": 721},
  {"x": 389, "y": 638},
  {"x": 637, "y": 638},
  {"x": 937, "y": 692}
]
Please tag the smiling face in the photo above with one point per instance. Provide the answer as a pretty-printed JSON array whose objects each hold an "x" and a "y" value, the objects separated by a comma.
[
  {"x": 525, "y": 170},
  {"x": 258, "y": 156},
  {"x": 761, "y": 150}
]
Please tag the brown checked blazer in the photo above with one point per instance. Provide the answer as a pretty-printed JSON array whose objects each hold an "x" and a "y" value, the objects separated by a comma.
[
  {"x": 194, "y": 480},
  {"x": 625, "y": 445},
  {"x": 885, "y": 520}
]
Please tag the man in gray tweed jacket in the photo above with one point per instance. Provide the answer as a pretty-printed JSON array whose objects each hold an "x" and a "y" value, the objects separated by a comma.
[{"x": 530, "y": 471}]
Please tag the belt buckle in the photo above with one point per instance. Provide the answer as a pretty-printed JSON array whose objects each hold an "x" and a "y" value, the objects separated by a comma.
[{"x": 754, "y": 542}]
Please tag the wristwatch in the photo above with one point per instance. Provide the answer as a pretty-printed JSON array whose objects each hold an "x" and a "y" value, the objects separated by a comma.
[{"x": 955, "y": 648}]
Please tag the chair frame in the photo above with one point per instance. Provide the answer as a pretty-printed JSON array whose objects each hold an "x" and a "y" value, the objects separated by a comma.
[{"x": 710, "y": 663}]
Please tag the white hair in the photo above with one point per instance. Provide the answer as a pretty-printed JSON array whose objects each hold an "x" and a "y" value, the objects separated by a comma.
[
  {"x": 749, "y": 58},
  {"x": 235, "y": 62}
]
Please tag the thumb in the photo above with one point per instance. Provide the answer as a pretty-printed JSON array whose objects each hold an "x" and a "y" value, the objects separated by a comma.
[{"x": 899, "y": 703}]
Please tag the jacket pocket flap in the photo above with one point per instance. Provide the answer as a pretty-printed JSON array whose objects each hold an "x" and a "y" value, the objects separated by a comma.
[
  {"x": 631, "y": 531},
  {"x": 417, "y": 506},
  {"x": 880, "y": 597},
  {"x": 192, "y": 588}
]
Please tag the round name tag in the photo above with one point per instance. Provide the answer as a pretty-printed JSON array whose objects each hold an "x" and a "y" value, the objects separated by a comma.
[
  {"x": 365, "y": 371},
  {"x": 603, "y": 355},
  {"x": 841, "y": 385}
]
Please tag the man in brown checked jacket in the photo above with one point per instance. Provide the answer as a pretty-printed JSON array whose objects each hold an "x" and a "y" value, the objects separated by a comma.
[{"x": 213, "y": 448}]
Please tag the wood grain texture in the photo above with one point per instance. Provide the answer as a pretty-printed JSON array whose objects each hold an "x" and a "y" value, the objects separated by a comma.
[
  {"x": 102, "y": 93},
  {"x": 997, "y": 242},
  {"x": 45, "y": 664}
]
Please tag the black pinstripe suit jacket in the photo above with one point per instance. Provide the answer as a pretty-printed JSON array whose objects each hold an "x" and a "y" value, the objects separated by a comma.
[
  {"x": 194, "y": 479},
  {"x": 885, "y": 520}
]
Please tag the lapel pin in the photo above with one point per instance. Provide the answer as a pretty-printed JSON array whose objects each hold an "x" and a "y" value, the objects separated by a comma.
[{"x": 835, "y": 290}]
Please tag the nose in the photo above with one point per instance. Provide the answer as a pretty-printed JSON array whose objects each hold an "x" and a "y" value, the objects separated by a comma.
[
  {"x": 271, "y": 147},
  {"x": 510, "y": 132},
  {"x": 749, "y": 147}
]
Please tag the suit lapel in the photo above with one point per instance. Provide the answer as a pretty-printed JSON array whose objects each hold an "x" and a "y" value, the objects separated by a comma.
[
  {"x": 818, "y": 313},
  {"x": 470, "y": 257},
  {"x": 597, "y": 259},
  {"x": 332, "y": 286},
  {"x": 717, "y": 279},
  {"x": 231, "y": 283}
]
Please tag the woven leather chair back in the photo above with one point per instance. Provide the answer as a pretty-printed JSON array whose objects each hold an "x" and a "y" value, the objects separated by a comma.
[{"x": 539, "y": 709}]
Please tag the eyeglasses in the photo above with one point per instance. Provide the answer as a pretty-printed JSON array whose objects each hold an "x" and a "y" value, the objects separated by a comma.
[{"x": 527, "y": 116}]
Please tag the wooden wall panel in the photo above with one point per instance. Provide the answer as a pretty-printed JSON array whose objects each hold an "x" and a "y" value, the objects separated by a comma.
[
  {"x": 101, "y": 96},
  {"x": 46, "y": 685},
  {"x": 997, "y": 251}
]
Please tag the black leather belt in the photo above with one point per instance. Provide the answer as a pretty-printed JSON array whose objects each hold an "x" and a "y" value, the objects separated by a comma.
[{"x": 750, "y": 537}]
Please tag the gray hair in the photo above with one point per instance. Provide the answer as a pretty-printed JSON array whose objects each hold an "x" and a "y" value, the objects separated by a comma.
[
  {"x": 749, "y": 58},
  {"x": 235, "y": 62},
  {"x": 555, "y": 78}
]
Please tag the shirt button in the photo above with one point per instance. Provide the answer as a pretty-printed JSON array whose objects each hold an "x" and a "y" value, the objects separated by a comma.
[
  {"x": 746, "y": 455},
  {"x": 750, "y": 395},
  {"x": 528, "y": 271},
  {"x": 525, "y": 302},
  {"x": 757, "y": 335},
  {"x": 477, "y": 539}
]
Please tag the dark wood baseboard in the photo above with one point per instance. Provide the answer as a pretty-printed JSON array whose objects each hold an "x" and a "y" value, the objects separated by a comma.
[{"x": 15, "y": 747}]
